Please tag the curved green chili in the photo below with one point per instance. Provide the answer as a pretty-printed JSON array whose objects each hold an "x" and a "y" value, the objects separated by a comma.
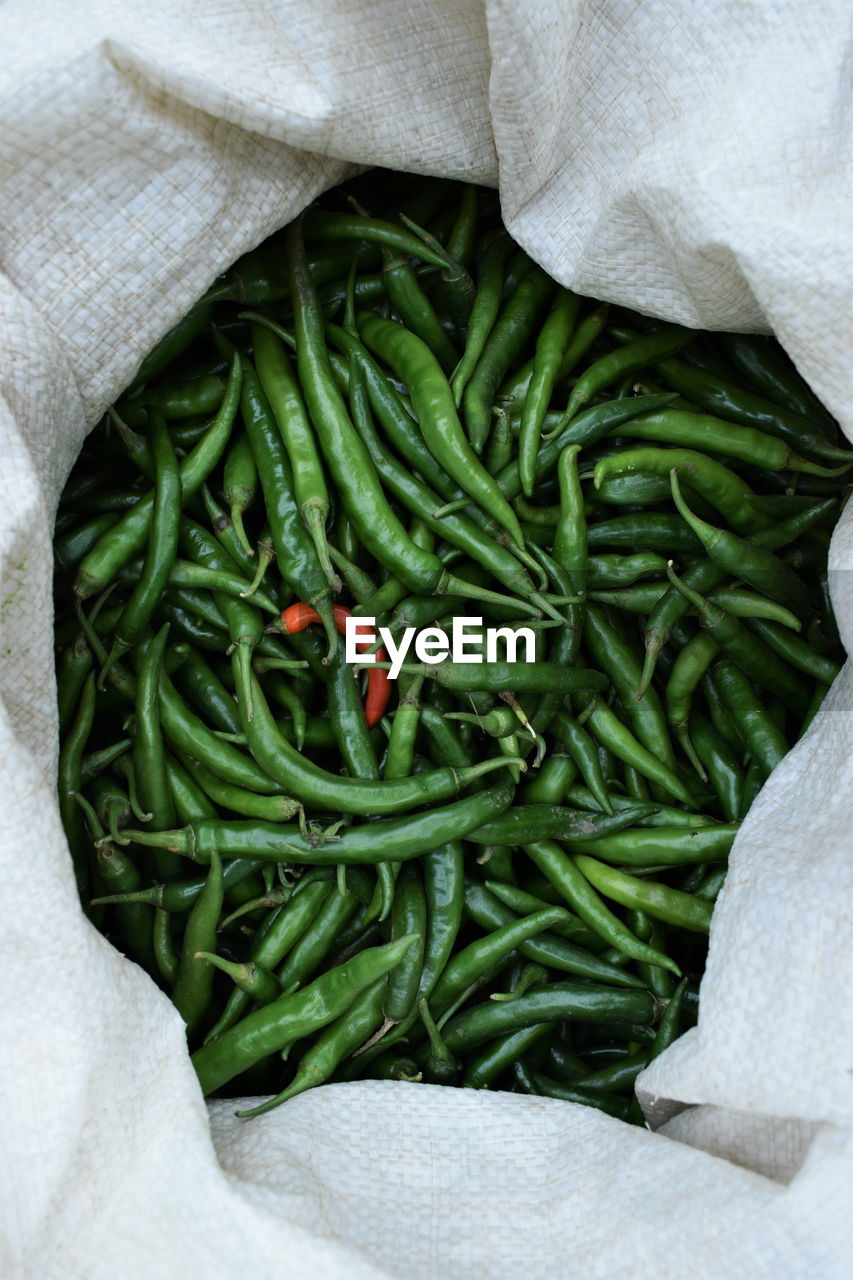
[
  {"x": 124, "y": 539},
  {"x": 433, "y": 404},
  {"x": 293, "y": 1017},
  {"x": 506, "y": 339},
  {"x": 682, "y": 909},
  {"x": 550, "y": 347},
  {"x": 564, "y": 875},
  {"x": 285, "y": 399}
]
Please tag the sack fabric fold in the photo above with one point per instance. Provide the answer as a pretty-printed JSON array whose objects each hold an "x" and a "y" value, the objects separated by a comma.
[{"x": 691, "y": 162}]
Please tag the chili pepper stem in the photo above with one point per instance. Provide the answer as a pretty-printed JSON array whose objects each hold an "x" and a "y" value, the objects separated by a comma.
[
  {"x": 297, "y": 1087},
  {"x": 237, "y": 522},
  {"x": 314, "y": 519},
  {"x": 180, "y": 840},
  {"x": 149, "y": 897},
  {"x": 219, "y": 962},
  {"x": 693, "y": 596},
  {"x": 518, "y": 711},
  {"x": 316, "y": 835},
  {"x": 449, "y": 508},
  {"x": 546, "y": 605},
  {"x": 276, "y": 898},
  {"x": 117, "y": 837},
  {"x": 815, "y": 469},
  {"x": 119, "y": 649},
  {"x": 323, "y": 605},
  {"x": 266, "y": 555},
  {"x": 94, "y": 825},
  {"x": 529, "y": 561},
  {"x": 450, "y": 585},
  {"x": 713, "y": 536},
  {"x": 387, "y": 1025},
  {"x": 257, "y": 318},
  {"x": 682, "y": 734}
]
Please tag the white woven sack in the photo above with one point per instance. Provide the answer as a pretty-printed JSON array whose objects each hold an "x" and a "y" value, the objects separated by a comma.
[{"x": 688, "y": 160}]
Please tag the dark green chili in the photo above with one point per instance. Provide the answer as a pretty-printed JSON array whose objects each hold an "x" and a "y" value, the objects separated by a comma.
[
  {"x": 285, "y": 400},
  {"x": 394, "y": 841},
  {"x": 194, "y": 984},
  {"x": 628, "y": 359},
  {"x": 578, "y": 1001},
  {"x": 506, "y": 339},
  {"x": 550, "y": 347},
  {"x": 124, "y": 539},
  {"x": 433, "y": 404}
]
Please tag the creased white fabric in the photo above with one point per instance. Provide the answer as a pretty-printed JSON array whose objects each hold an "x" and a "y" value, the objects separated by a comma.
[{"x": 692, "y": 161}]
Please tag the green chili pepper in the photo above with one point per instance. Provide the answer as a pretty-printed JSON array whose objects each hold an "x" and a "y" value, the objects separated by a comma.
[
  {"x": 331, "y": 1047},
  {"x": 414, "y": 307},
  {"x": 738, "y": 405},
  {"x": 162, "y": 547},
  {"x": 436, "y": 413},
  {"x": 282, "y": 391},
  {"x": 503, "y": 344},
  {"x": 68, "y": 772},
  {"x": 658, "y": 900},
  {"x": 559, "y": 1000},
  {"x": 560, "y": 952},
  {"x": 394, "y": 841},
  {"x": 492, "y": 256},
  {"x": 550, "y": 347},
  {"x": 628, "y": 359},
  {"x": 124, "y": 539},
  {"x": 115, "y": 872},
  {"x": 293, "y": 1017},
  {"x": 716, "y": 483},
  {"x": 296, "y": 553},
  {"x": 759, "y": 567},
  {"x": 566, "y": 878},
  {"x": 765, "y": 741},
  {"x": 163, "y": 944},
  {"x": 172, "y": 344},
  {"x": 703, "y": 432},
  {"x": 223, "y": 530},
  {"x": 499, "y": 1054},
  {"x": 271, "y": 945},
  {"x": 443, "y": 876},
  {"x": 194, "y": 984},
  {"x": 793, "y": 650},
  {"x": 408, "y": 917},
  {"x": 321, "y": 226},
  {"x": 755, "y": 659},
  {"x": 763, "y": 362},
  {"x": 663, "y": 846},
  {"x": 189, "y": 800},
  {"x": 690, "y": 665},
  {"x": 240, "y": 482}
]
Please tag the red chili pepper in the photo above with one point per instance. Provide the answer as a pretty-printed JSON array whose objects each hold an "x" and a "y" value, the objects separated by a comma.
[{"x": 296, "y": 617}]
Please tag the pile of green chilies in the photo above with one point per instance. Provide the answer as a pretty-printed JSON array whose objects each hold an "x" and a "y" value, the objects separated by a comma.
[{"x": 493, "y": 874}]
